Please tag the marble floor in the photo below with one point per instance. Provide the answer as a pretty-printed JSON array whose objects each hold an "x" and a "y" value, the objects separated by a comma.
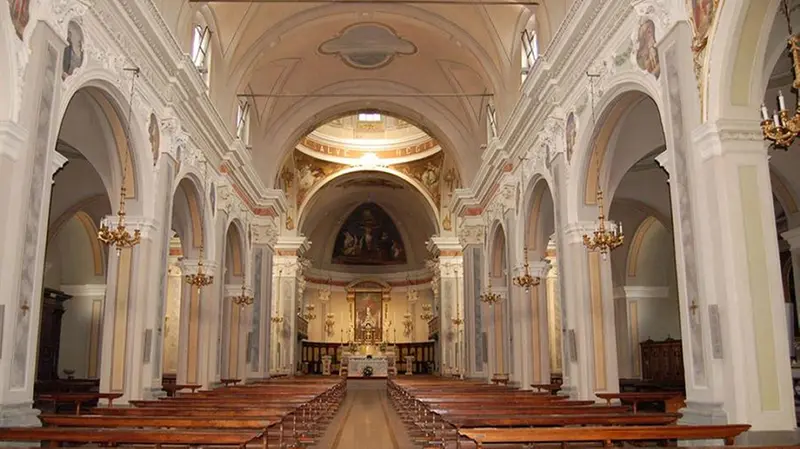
[{"x": 365, "y": 419}]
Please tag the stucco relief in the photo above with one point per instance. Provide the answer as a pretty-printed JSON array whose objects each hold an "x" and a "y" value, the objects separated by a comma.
[{"x": 367, "y": 46}]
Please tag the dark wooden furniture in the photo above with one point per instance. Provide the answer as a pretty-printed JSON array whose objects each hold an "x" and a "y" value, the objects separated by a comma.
[
  {"x": 606, "y": 435},
  {"x": 171, "y": 388},
  {"x": 672, "y": 401},
  {"x": 229, "y": 382},
  {"x": 550, "y": 388},
  {"x": 157, "y": 437},
  {"x": 662, "y": 362},
  {"x": 50, "y": 334},
  {"x": 78, "y": 399},
  {"x": 312, "y": 353}
]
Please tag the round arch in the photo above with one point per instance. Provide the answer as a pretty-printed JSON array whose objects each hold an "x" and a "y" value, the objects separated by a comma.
[
  {"x": 426, "y": 114},
  {"x": 236, "y": 249},
  {"x": 131, "y": 147},
  {"x": 589, "y": 164},
  {"x": 190, "y": 218},
  {"x": 539, "y": 207},
  {"x": 498, "y": 251},
  {"x": 348, "y": 171}
]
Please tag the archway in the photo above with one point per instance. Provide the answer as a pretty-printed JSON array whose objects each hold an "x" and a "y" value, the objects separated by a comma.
[
  {"x": 235, "y": 317},
  {"x": 188, "y": 225},
  {"x": 646, "y": 312},
  {"x": 75, "y": 273},
  {"x": 546, "y": 308},
  {"x": 501, "y": 365}
]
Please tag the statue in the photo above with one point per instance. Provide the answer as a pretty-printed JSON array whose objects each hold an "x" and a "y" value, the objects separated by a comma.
[{"x": 369, "y": 319}]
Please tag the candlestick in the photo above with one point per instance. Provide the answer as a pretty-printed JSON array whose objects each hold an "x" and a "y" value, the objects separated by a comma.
[
  {"x": 765, "y": 114},
  {"x": 776, "y": 119},
  {"x": 781, "y": 101}
]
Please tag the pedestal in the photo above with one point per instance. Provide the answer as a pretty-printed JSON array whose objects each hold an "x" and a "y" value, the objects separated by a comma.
[
  {"x": 409, "y": 365},
  {"x": 326, "y": 365}
]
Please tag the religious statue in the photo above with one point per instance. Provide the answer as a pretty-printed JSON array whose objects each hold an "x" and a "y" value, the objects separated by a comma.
[{"x": 369, "y": 319}]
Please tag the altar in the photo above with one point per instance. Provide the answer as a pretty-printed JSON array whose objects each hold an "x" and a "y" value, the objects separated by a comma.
[{"x": 358, "y": 364}]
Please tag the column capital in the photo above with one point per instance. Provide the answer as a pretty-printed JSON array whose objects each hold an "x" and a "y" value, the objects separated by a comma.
[
  {"x": 574, "y": 231},
  {"x": 729, "y": 137},
  {"x": 85, "y": 290},
  {"x": 472, "y": 233},
  {"x": 291, "y": 245},
  {"x": 641, "y": 292},
  {"x": 445, "y": 246},
  {"x": 664, "y": 161},
  {"x": 792, "y": 236},
  {"x": 231, "y": 290},
  {"x": 539, "y": 268},
  {"x": 57, "y": 163},
  {"x": 147, "y": 226},
  {"x": 189, "y": 266}
]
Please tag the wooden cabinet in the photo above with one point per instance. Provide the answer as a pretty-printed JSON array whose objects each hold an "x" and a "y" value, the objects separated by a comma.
[
  {"x": 50, "y": 334},
  {"x": 662, "y": 362}
]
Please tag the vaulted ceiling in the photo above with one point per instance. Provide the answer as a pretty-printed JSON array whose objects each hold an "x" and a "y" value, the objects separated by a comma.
[{"x": 399, "y": 51}]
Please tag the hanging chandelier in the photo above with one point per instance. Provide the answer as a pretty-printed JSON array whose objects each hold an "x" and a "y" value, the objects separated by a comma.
[
  {"x": 119, "y": 236},
  {"x": 243, "y": 300},
  {"x": 781, "y": 128},
  {"x": 603, "y": 239},
  {"x": 199, "y": 279},
  {"x": 408, "y": 324},
  {"x": 526, "y": 281},
  {"x": 488, "y": 297},
  {"x": 330, "y": 321}
]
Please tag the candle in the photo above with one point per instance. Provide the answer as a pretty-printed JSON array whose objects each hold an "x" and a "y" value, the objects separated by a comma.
[
  {"x": 765, "y": 114},
  {"x": 781, "y": 101},
  {"x": 776, "y": 119}
]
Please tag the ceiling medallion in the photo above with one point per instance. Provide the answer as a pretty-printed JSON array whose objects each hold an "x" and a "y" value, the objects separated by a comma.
[{"x": 367, "y": 46}]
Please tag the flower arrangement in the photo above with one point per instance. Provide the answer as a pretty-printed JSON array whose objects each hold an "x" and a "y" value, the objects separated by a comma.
[{"x": 367, "y": 371}]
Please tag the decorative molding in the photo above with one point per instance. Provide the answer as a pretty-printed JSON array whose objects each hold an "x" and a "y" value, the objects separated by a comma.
[
  {"x": 575, "y": 231},
  {"x": 146, "y": 225},
  {"x": 189, "y": 266},
  {"x": 12, "y": 140},
  {"x": 641, "y": 292},
  {"x": 84, "y": 290},
  {"x": 472, "y": 234},
  {"x": 57, "y": 162}
]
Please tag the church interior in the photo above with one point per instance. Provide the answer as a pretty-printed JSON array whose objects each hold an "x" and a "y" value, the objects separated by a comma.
[{"x": 400, "y": 224}]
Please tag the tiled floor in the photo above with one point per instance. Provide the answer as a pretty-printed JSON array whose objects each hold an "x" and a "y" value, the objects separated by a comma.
[{"x": 365, "y": 420}]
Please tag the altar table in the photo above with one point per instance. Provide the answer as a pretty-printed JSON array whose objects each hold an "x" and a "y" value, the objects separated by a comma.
[{"x": 356, "y": 365}]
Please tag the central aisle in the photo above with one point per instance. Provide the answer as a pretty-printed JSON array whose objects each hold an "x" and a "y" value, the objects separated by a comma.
[{"x": 366, "y": 419}]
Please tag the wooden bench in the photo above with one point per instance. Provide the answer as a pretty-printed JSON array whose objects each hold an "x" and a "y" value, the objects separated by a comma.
[
  {"x": 673, "y": 401},
  {"x": 157, "y": 437},
  {"x": 171, "y": 389},
  {"x": 78, "y": 398},
  {"x": 229, "y": 382},
  {"x": 605, "y": 435}
]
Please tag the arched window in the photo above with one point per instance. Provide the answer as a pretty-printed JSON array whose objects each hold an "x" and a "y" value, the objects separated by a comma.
[
  {"x": 530, "y": 47},
  {"x": 243, "y": 122},
  {"x": 201, "y": 43}
]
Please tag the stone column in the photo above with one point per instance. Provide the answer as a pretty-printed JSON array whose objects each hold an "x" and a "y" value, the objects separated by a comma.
[
  {"x": 286, "y": 269},
  {"x": 198, "y": 313},
  {"x": 590, "y": 340},
  {"x": 539, "y": 343},
  {"x": 792, "y": 236},
  {"x": 733, "y": 320},
  {"x": 451, "y": 291}
]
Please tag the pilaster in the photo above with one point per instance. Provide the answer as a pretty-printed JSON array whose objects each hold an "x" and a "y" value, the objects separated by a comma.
[
  {"x": 539, "y": 343},
  {"x": 287, "y": 271},
  {"x": 450, "y": 271},
  {"x": 792, "y": 236},
  {"x": 198, "y": 313}
]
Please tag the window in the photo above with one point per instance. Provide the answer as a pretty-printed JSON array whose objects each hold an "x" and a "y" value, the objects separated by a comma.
[
  {"x": 201, "y": 38},
  {"x": 243, "y": 123},
  {"x": 369, "y": 117},
  {"x": 530, "y": 51}
]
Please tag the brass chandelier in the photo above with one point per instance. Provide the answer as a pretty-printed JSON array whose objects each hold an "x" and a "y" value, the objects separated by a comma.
[
  {"x": 200, "y": 279},
  {"x": 119, "y": 236},
  {"x": 330, "y": 321},
  {"x": 243, "y": 300},
  {"x": 527, "y": 281},
  {"x": 781, "y": 128},
  {"x": 602, "y": 239},
  {"x": 488, "y": 296},
  {"x": 310, "y": 313}
]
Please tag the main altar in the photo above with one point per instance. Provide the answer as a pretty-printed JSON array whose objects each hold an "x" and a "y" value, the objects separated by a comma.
[{"x": 368, "y": 354}]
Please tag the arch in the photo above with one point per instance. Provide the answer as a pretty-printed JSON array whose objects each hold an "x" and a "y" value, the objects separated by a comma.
[
  {"x": 236, "y": 249},
  {"x": 307, "y": 114},
  {"x": 782, "y": 192},
  {"x": 131, "y": 148},
  {"x": 539, "y": 195},
  {"x": 741, "y": 51},
  {"x": 637, "y": 243},
  {"x": 497, "y": 250},
  {"x": 590, "y": 164},
  {"x": 409, "y": 180},
  {"x": 189, "y": 205}
]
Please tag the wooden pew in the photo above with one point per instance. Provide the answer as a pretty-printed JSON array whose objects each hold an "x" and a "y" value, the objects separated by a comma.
[
  {"x": 78, "y": 398},
  {"x": 171, "y": 389},
  {"x": 673, "y": 401},
  {"x": 606, "y": 435},
  {"x": 157, "y": 437}
]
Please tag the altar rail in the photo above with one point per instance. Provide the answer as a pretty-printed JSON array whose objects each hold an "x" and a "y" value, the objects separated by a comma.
[{"x": 313, "y": 351}]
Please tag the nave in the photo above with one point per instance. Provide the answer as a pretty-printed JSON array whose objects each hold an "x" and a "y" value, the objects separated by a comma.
[{"x": 398, "y": 413}]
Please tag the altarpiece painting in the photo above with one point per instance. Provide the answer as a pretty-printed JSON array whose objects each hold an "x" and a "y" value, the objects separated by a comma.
[
  {"x": 368, "y": 299},
  {"x": 369, "y": 237}
]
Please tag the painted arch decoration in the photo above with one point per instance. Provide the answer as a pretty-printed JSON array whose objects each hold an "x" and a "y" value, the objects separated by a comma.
[{"x": 369, "y": 237}]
